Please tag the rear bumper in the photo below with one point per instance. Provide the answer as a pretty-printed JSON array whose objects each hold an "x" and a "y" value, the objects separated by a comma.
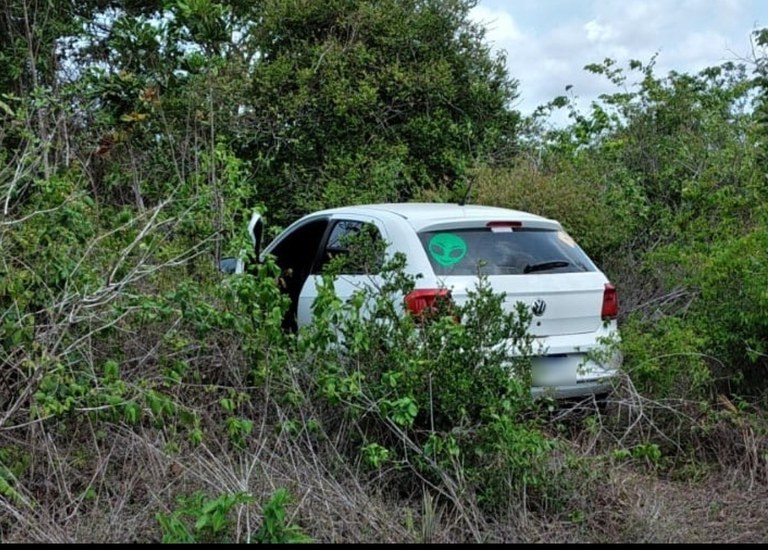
[
  {"x": 580, "y": 389},
  {"x": 574, "y": 375}
]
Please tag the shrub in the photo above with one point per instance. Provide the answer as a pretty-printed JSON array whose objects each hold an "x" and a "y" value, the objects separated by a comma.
[
  {"x": 440, "y": 396},
  {"x": 200, "y": 519},
  {"x": 665, "y": 358}
]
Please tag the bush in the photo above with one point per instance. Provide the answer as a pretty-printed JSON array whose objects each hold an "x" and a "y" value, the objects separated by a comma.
[
  {"x": 200, "y": 519},
  {"x": 665, "y": 358},
  {"x": 732, "y": 278},
  {"x": 440, "y": 397}
]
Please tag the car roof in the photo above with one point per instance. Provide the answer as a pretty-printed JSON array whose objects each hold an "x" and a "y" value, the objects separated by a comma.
[{"x": 423, "y": 214}]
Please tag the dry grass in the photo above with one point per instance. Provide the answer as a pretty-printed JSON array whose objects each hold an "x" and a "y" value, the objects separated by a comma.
[
  {"x": 106, "y": 484},
  {"x": 81, "y": 479}
]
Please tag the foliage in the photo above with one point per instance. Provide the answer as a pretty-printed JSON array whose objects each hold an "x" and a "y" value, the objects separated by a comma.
[
  {"x": 732, "y": 280},
  {"x": 275, "y": 529},
  {"x": 14, "y": 462},
  {"x": 665, "y": 358},
  {"x": 576, "y": 195},
  {"x": 136, "y": 136},
  {"x": 661, "y": 183},
  {"x": 760, "y": 46},
  {"x": 371, "y": 101},
  {"x": 200, "y": 519},
  {"x": 442, "y": 394}
]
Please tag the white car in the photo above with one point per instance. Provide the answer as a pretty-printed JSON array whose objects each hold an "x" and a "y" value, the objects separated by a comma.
[{"x": 529, "y": 258}]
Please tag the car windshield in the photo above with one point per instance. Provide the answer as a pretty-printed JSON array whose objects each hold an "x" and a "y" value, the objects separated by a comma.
[{"x": 520, "y": 252}]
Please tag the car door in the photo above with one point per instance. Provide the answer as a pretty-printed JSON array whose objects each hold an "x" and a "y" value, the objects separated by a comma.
[
  {"x": 295, "y": 252},
  {"x": 355, "y": 245}
]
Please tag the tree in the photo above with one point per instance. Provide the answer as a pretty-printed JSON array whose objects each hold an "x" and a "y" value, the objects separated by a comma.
[
  {"x": 665, "y": 182},
  {"x": 760, "y": 38},
  {"x": 360, "y": 100}
]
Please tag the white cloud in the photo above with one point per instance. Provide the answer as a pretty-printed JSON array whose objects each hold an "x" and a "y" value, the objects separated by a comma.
[
  {"x": 596, "y": 32},
  {"x": 549, "y": 42},
  {"x": 500, "y": 26}
]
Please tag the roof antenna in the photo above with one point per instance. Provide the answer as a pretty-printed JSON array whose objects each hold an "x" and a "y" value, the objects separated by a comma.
[{"x": 463, "y": 200}]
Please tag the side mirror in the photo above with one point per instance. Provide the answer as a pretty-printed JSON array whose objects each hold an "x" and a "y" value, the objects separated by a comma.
[
  {"x": 231, "y": 265},
  {"x": 255, "y": 230}
]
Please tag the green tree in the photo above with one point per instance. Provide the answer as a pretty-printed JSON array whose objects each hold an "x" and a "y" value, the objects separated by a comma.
[
  {"x": 760, "y": 38},
  {"x": 677, "y": 165},
  {"x": 356, "y": 100}
]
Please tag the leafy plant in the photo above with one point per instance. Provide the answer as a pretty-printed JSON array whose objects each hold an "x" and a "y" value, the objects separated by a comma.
[
  {"x": 434, "y": 391},
  {"x": 275, "y": 529},
  {"x": 200, "y": 519}
]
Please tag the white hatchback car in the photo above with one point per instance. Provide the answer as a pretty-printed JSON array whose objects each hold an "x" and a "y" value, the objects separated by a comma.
[{"x": 529, "y": 258}]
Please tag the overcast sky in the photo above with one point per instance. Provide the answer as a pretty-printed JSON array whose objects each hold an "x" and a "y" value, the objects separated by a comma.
[{"x": 548, "y": 42}]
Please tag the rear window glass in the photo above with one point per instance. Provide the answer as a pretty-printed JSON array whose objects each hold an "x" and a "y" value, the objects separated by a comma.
[{"x": 520, "y": 252}]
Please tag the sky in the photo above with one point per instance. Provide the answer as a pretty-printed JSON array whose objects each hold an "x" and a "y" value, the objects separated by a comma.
[{"x": 548, "y": 42}]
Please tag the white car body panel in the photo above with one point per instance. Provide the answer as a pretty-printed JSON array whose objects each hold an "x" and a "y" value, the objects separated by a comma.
[
  {"x": 569, "y": 327},
  {"x": 344, "y": 285}
]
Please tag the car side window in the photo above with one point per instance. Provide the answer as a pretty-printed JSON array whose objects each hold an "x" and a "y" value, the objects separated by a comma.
[{"x": 353, "y": 248}]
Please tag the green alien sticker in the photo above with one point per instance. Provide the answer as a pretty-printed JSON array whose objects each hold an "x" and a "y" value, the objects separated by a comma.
[{"x": 447, "y": 249}]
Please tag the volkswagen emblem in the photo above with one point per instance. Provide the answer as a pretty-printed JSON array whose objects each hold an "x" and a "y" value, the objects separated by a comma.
[{"x": 539, "y": 307}]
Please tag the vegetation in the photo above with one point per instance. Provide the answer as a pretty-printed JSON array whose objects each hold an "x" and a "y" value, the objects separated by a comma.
[{"x": 146, "y": 397}]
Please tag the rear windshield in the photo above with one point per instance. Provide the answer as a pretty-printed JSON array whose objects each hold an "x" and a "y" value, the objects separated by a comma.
[{"x": 520, "y": 252}]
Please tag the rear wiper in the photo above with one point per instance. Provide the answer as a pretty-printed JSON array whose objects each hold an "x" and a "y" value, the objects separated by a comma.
[{"x": 544, "y": 266}]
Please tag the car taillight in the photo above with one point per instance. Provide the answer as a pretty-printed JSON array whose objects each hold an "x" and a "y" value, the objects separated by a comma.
[
  {"x": 426, "y": 302},
  {"x": 501, "y": 227},
  {"x": 610, "y": 302}
]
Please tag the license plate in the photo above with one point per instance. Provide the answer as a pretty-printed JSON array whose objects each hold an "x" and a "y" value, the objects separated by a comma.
[{"x": 554, "y": 370}]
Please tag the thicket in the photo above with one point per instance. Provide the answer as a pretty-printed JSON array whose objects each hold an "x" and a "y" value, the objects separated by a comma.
[{"x": 144, "y": 396}]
